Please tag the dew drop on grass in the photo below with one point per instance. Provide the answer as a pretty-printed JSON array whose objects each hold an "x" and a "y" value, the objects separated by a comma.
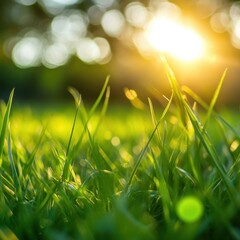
[{"x": 189, "y": 209}]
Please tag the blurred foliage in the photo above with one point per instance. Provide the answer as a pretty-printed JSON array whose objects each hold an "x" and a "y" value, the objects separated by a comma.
[{"x": 57, "y": 43}]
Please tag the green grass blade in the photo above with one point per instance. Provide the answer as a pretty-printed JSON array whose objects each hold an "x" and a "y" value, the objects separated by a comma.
[
  {"x": 77, "y": 97},
  {"x": 100, "y": 164},
  {"x": 153, "y": 115},
  {"x": 178, "y": 95},
  {"x": 140, "y": 157},
  {"x": 85, "y": 117},
  {"x": 214, "y": 99},
  {"x": 212, "y": 153},
  {"x": 162, "y": 187},
  {"x": 95, "y": 105},
  {"x": 68, "y": 161},
  {"x": 14, "y": 171},
  {"x": 104, "y": 109},
  {"x": 5, "y": 124},
  {"x": 33, "y": 154},
  {"x": 50, "y": 192},
  {"x": 166, "y": 109},
  {"x": 234, "y": 158},
  {"x": 154, "y": 120}
]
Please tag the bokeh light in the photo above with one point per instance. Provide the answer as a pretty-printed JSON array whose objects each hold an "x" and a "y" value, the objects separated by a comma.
[
  {"x": 227, "y": 20},
  {"x": 234, "y": 146},
  {"x": 115, "y": 141},
  {"x": 95, "y": 14},
  {"x": 55, "y": 55},
  {"x": 69, "y": 26},
  {"x": 139, "y": 25},
  {"x": 165, "y": 9},
  {"x": 151, "y": 27},
  {"x": 66, "y": 36},
  {"x": 94, "y": 50},
  {"x": 113, "y": 22},
  {"x": 104, "y": 50},
  {"x": 26, "y": 2},
  {"x": 189, "y": 209},
  {"x": 207, "y": 8},
  {"x": 87, "y": 50},
  {"x": 65, "y": 2},
  {"x": 220, "y": 22},
  {"x": 136, "y": 14},
  {"x": 104, "y": 3},
  {"x": 55, "y": 7},
  {"x": 27, "y": 52}
]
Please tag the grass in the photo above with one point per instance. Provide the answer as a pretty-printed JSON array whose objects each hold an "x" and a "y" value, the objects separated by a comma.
[{"x": 107, "y": 172}]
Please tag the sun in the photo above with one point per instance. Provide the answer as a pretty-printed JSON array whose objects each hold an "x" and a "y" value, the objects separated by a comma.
[{"x": 172, "y": 37}]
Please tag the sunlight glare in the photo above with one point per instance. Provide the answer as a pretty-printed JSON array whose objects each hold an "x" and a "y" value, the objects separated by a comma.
[{"x": 171, "y": 37}]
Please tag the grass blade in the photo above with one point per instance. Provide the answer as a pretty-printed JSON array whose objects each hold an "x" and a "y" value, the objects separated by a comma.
[
  {"x": 186, "y": 111},
  {"x": 77, "y": 97},
  {"x": 178, "y": 96},
  {"x": 163, "y": 189},
  {"x": 212, "y": 153},
  {"x": 85, "y": 118},
  {"x": 33, "y": 154},
  {"x": 14, "y": 171},
  {"x": 140, "y": 157},
  {"x": 104, "y": 109},
  {"x": 5, "y": 124},
  {"x": 154, "y": 120},
  {"x": 68, "y": 161},
  {"x": 95, "y": 105},
  {"x": 214, "y": 99}
]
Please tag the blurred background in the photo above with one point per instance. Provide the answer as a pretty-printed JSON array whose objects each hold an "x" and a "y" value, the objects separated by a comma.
[{"x": 48, "y": 45}]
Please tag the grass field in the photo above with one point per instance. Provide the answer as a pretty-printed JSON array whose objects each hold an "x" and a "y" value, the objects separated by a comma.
[{"x": 113, "y": 172}]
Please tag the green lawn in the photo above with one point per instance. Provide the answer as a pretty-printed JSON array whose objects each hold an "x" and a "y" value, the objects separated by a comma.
[{"x": 115, "y": 172}]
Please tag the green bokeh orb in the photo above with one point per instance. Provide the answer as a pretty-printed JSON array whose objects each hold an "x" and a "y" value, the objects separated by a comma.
[{"x": 189, "y": 209}]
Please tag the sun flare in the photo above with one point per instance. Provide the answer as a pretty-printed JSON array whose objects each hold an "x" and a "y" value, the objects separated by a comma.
[{"x": 171, "y": 37}]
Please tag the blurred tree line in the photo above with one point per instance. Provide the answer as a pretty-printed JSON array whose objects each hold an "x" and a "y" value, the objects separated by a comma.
[{"x": 47, "y": 45}]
